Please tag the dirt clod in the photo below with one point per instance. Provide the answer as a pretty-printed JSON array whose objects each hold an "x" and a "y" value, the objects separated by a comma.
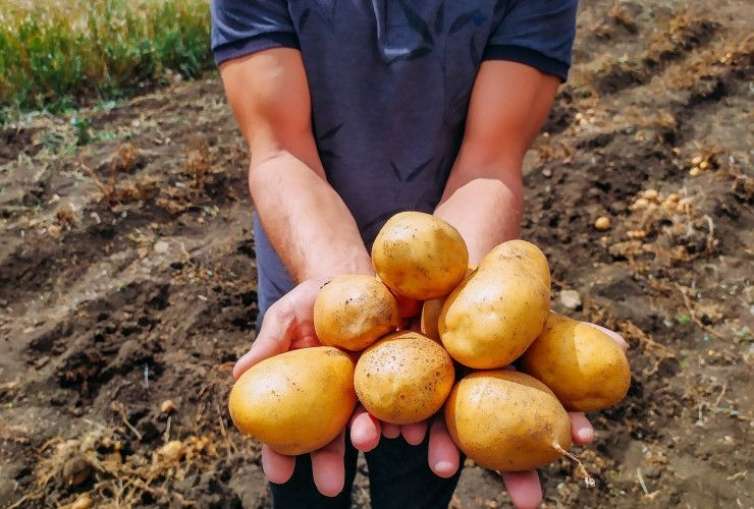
[
  {"x": 570, "y": 299},
  {"x": 76, "y": 471},
  {"x": 83, "y": 502},
  {"x": 168, "y": 407}
]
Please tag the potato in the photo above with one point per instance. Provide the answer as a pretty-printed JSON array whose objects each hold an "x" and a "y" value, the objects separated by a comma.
[
  {"x": 419, "y": 256},
  {"x": 353, "y": 311},
  {"x": 507, "y": 420},
  {"x": 582, "y": 365},
  {"x": 404, "y": 378},
  {"x": 493, "y": 316},
  {"x": 430, "y": 315},
  {"x": 295, "y": 402}
]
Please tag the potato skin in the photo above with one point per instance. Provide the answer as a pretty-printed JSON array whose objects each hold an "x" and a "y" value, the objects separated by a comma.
[
  {"x": 419, "y": 256},
  {"x": 295, "y": 402},
  {"x": 404, "y": 378},
  {"x": 430, "y": 315},
  {"x": 582, "y": 365},
  {"x": 506, "y": 420},
  {"x": 353, "y": 311},
  {"x": 493, "y": 316}
]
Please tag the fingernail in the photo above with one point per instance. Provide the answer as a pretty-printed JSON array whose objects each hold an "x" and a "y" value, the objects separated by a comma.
[
  {"x": 586, "y": 434},
  {"x": 361, "y": 437},
  {"x": 443, "y": 467},
  {"x": 357, "y": 435}
]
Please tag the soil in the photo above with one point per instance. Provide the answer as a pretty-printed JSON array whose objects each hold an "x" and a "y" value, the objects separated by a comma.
[{"x": 127, "y": 278}]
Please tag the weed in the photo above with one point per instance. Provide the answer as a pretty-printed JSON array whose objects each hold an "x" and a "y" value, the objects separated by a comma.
[
  {"x": 57, "y": 54},
  {"x": 81, "y": 127},
  {"x": 683, "y": 319}
]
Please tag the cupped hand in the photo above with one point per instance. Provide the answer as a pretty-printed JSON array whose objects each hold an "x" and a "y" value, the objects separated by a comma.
[
  {"x": 288, "y": 324},
  {"x": 443, "y": 455},
  {"x": 524, "y": 488}
]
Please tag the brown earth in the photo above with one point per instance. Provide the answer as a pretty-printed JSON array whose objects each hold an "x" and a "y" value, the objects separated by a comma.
[{"x": 127, "y": 278}]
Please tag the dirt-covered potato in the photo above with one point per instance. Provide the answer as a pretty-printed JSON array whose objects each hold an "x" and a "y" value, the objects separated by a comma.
[
  {"x": 353, "y": 311},
  {"x": 404, "y": 378},
  {"x": 507, "y": 421},
  {"x": 493, "y": 316},
  {"x": 419, "y": 256},
  {"x": 295, "y": 402},
  {"x": 582, "y": 365}
]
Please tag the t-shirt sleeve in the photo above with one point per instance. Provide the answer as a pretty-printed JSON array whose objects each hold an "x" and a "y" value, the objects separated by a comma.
[
  {"x": 242, "y": 27},
  {"x": 538, "y": 33}
]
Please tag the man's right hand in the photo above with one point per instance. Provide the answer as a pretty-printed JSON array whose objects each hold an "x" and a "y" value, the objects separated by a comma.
[{"x": 289, "y": 324}]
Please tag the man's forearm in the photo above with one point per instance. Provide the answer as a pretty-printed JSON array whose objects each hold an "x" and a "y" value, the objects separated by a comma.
[
  {"x": 483, "y": 200},
  {"x": 306, "y": 221}
]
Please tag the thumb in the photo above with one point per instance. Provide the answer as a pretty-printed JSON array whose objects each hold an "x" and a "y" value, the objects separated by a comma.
[
  {"x": 274, "y": 338},
  {"x": 614, "y": 335}
]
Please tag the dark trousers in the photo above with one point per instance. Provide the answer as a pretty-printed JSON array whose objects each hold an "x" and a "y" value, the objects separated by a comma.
[{"x": 399, "y": 478}]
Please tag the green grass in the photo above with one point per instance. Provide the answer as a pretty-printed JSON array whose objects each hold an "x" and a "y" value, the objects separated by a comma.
[{"x": 56, "y": 54}]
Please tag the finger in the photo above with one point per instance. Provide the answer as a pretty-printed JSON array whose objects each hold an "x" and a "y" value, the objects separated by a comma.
[
  {"x": 581, "y": 429},
  {"x": 272, "y": 340},
  {"x": 365, "y": 430},
  {"x": 524, "y": 489},
  {"x": 327, "y": 467},
  {"x": 614, "y": 335},
  {"x": 305, "y": 336},
  {"x": 414, "y": 433},
  {"x": 277, "y": 467},
  {"x": 443, "y": 455},
  {"x": 305, "y": 342},
  {"x": 390, "y": 430}
]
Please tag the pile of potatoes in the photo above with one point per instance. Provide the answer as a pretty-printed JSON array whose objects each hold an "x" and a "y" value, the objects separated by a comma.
[{"x": 474, "y": 321}]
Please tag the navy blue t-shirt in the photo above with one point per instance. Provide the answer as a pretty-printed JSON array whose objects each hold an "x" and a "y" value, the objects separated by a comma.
[{"x": 390, "y": 82}]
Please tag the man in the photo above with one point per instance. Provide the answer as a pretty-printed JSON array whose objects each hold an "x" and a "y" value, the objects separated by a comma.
[{"x": 354, "y": 110}]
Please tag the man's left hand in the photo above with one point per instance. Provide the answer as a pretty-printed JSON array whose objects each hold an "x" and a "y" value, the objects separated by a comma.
[{"x": 524, "y": 488}]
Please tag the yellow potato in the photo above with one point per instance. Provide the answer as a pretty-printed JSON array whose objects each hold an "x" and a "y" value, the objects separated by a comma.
[
  {"x": 506, "y": 420},
  {"x": 493, "y": 316},
  {"x": 353, "y": 311},
  {"x": 430, "y": 315},
  {"x": 522, "y": 252},
  {"x": 404, "y": 378},
  {"x": 582, "y": 365},
  {"x": 295, "y": 402},
  {"x": 419, "y": 256}
]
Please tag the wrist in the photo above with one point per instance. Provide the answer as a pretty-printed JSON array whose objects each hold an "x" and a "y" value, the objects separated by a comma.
[{"x": 356, "y": 261}]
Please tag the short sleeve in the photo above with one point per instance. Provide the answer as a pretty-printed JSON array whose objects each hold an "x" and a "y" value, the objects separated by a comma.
[
  {"x": 538, "y": 33},
  {"x": 242, "y": 27}
]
